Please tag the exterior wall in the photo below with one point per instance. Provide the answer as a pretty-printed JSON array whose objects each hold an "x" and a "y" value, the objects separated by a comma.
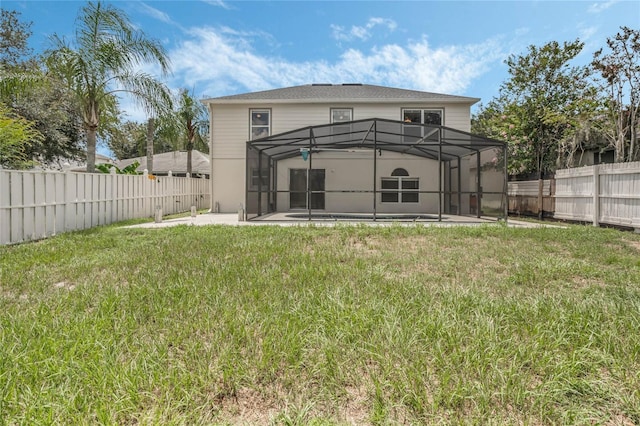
[
  {"x": 228, "y": 185},
  {"x": 230, "y": 131},
  {"x": 354, "y": 172}
]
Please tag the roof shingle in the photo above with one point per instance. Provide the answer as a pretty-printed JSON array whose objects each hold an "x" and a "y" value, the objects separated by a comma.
[{"x": 340, "y": 92}]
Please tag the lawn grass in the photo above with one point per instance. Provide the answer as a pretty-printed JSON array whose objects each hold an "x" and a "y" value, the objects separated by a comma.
[{"x": 345, "y": 325}]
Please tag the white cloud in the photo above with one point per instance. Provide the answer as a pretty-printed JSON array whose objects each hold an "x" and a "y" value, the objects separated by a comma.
[
  {"x": 218, "y": 62},
  {"x": 586, "y": 32},
  {"x": 218, "y": 3},
  {"x": 362, "y": 32},
  {"x": 155, "y": 13},
  {"x": 601, "y": 6}
]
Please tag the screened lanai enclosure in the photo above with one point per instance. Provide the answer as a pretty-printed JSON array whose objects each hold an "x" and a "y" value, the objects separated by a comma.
[{"x": 376, "y": 169}]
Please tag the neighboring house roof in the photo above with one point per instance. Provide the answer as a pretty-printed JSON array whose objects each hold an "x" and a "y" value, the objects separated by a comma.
[
  {"x": 174, "y": 161},
  {"x": 74, "y": 165},
  {"x": 327, "y": 93}
]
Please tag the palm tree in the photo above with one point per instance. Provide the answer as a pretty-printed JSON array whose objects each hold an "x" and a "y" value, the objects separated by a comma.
[
  {"x": 151, "y": 127},
  {"x": 192, "y": 116},
  {"x": 186, "y": 126},
  {"x": 103, "y": 60}
]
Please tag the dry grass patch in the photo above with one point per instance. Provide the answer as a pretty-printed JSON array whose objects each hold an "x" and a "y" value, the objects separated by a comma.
[
  {"x": 248, "y": 406},
  {"x": 634, "y": 244}
]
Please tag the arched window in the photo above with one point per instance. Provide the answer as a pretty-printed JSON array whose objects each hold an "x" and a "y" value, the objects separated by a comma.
[
  {"x": 400, "y": 188},
  {"x": 400, "y": 172}
]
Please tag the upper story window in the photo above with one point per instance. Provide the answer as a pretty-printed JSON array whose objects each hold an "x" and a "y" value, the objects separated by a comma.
[
  {"x": 260, "y": 123},
  {"x": 341, "y": 115},
  {"x": 422, "y": 116}
]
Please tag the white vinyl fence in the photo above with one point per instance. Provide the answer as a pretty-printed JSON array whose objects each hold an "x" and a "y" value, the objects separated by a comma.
[
  {"x": 605, "y": 193},
  {"x": 37, "y": 204}
]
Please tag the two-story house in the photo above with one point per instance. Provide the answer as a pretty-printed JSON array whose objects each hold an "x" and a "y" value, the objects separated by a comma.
[{"x": 352, "y": 148}]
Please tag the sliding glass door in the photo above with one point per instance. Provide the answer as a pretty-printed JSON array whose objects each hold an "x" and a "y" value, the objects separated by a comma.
[{"x": 298, "y": 183}]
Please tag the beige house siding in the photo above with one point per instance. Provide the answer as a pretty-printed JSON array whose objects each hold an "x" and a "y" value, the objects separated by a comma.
[
  {"x": 228, "y": 184},
  {"x": 230, "y": 131},
  {"x": 357, "y": 169}
]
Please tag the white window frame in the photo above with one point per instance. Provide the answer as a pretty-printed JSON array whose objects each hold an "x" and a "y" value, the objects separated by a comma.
[
  {"x": 259, "y": 126},
  {"x": 349, "y": 110},
  {"x": 422, "y": 113},
  {"x": 338, "y": 127},
  {"x": 400, "y": 191}
]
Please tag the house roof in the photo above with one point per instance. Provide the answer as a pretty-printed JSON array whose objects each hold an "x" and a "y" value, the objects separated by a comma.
[
  {"x": 174, "y": 161},
  {"x": 327, "y": 93},
  {"x": 74, "y": 165}
]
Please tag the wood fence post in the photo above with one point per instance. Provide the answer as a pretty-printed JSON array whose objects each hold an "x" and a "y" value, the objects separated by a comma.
[{"x": 540, "y": 199}]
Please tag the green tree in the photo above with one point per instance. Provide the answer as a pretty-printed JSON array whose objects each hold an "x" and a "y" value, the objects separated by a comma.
[
  {"x": 620, "y": 70},
  {"x": 14, "y": 36},
  {"x": 102, "y": 60},
  {"x": 32, "y": 93},
  {"x": 54, "y": 112},
  {"x": 126, "y": 140},
  {"x": 185, "y": 127},
  {"x": 192, "y": 116},
  {"x": 16, "y": 135},
  {"x": 541, "y": 108}
]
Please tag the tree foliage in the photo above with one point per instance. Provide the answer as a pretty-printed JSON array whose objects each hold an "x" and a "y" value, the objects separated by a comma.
[
  {"x": 14, "y": 36},
  {"x": 102, "y": 60},
  {"x": 131, "y": 169},
  {"x": 37, "y": 96},
  {"x": 192, "y": 117},
  {"x": 16, "y": 136},
  {"x": 620, "y": 71},
  {"x": 52, "y": 109},
  {"x": 540, "y": 108},
  {"x": 126, "y": 140},
  {"x": 186, "y": 126}
]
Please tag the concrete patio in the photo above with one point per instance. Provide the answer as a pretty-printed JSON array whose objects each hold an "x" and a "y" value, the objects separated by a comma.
[{"x": 287, "y": 219}]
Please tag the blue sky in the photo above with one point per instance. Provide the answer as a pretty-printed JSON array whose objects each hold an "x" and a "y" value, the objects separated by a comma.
[{"x": 220, "y": 47}]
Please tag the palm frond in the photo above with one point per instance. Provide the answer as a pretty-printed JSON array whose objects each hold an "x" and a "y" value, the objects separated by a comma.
[{"x": 153, "y": 96}]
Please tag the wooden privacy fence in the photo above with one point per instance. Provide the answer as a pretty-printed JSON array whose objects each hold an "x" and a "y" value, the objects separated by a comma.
[
  {"x": 37, "y": 204},
  {"x": 605, "y": 193},
  {"x": 601, "y": 194},
  {"x": 525, "y": 196}
]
